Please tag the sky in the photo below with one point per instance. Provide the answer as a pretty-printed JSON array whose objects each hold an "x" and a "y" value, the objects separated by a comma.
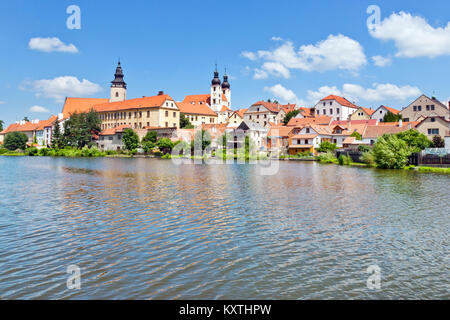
[{"x": 291, "y": 51}]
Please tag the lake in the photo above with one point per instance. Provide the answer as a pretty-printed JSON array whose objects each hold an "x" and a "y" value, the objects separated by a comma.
[{"x": 150, "y": 229}]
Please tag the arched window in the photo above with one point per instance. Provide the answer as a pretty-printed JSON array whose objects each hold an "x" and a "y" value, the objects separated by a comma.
[{"x": 117, "y": 94}]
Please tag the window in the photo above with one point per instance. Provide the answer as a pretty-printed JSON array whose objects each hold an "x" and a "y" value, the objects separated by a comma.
[
  {"x": 318, "y": 112},
  {"x": 419, "y": 108},
  {"x": 331, "y": 111},
  {"x": 167, "y": 124},
  {"x": 148, "y": 124},
  {"x": 307, "y": 130},
  {"x": 337, "y": 111},
  {"x": 415, "y": 108},
  {"x": 433, "y": 119},
  {"x": 406, "y": 120},
  {"x": 148, "y": 114},
  {"x": 331, "y": 103},
  {"x": 324, "y": 104},
  {"x": 110, "y": 138},
  {"x": 428, "y": 107},
  {"x": 174, "y": 114},
  {"x": 117, "y": 94},
  {"x": 432, "y": 107},
  {"x": 167, "y": 113},
  {"x": 140, "y": 114},
  {"x": 433, "y": 131},
  {"x": 306, "y": 141}
]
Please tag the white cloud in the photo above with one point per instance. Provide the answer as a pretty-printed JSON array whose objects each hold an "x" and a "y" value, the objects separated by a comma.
[
  {"x": 276, "y": 69},
  {"x": 335, "y": 53},
  {"x": 413, "y": 36},
  {"x": 282, "y": 93},
  {"x": 51, "y": 45},
  {"x": 260, "y": 74},
  {"x": 378, "y": 92},
  {"x": 381, "y": 61},
  {"x": 39, "y": 109},
  {"x": 249, "y": 55},
  {"x": 277, "y": 39},
  {"x": 2, "y": 102},
  {"x": 61, "y": 87}
]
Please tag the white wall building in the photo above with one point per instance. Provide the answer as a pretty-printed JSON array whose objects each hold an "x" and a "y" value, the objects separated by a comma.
[{"x": 336, "y": 107}]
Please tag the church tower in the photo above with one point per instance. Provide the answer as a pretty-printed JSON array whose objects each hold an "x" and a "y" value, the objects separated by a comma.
[
  {"x": 226, "y": 90},
  {"x": 118, "y": 86},
  {"x": 216, "y": 92}
]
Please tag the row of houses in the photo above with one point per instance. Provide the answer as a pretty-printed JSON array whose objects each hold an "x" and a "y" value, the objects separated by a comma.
[{"x": 332, "y": 119}]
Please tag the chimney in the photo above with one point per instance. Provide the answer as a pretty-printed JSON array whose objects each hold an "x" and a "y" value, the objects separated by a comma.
[
  {"x": 160, "y": 93},
  {"x": 400, "y": 123}
]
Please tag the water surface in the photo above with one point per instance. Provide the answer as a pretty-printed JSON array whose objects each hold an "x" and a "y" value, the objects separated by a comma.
[{"x": 148, "y": 229}]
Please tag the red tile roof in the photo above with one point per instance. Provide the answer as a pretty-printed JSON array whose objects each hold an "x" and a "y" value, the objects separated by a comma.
[
  {"x": 112, "y": 131},
  {"x": 200, "y": 109},
  {"x": 197, "y": 98},
  {"x": 378, "y": 131},
  {"x": 342, "y": 101},
  {"x": 271, "y": 106},
  {"x": 30, "y": 126},
  {"x": 394, "y": 111},
  {"x": 145, "y": 102},
  {"x": 73, "y": 105},
  {"x": 305, "y": 121}
]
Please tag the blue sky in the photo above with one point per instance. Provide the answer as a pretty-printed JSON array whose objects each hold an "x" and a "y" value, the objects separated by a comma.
[{"x": 294, "y": 51}]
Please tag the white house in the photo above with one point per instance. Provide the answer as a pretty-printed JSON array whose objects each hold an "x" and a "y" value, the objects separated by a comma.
[
  {"x": 382, "y": 111},
  {"x": 336, "y": 107},
  {"x": 308, "y": 138}
]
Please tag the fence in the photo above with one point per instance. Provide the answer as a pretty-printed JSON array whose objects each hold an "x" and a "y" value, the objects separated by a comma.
[
  {"x": 354, "y": 155},
  {"x": 435, "y": 159}
]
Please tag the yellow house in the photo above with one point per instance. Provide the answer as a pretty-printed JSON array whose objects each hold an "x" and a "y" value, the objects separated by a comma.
[
  {"x": 362, "y": 114},
  {"x": 158, "y": 111},
  {"x": 198, "y": 114}
]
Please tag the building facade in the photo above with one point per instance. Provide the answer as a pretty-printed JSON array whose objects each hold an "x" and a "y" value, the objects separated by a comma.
[
  {"x": 335, "y": 107},
  {"x": 424, "y": 107}
]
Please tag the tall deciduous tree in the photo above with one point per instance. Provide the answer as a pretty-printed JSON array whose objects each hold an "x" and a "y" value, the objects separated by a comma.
[
  {"x": 57, "y": 136},
  {"x": 80, "y": 127},
  {"x": 290, "y": 115},
  {"x": 130, "y": 139}
]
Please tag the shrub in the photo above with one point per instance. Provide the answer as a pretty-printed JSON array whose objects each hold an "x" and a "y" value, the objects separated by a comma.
[
  {"x": 32, "y": 152},
  {"x": 357, "y": 135},
  {"x": 363, "y": 148},
  {"x": 148, "y": 146},
  {"x": 165, "y": 145},
  {"x": 15, "y": 140},
  {"x": 327, "y": 158},
  {"x": 327, "y": 146},
  {"x": 344, "y": 160},
  {"x": 368, "y": 158},
  {"x": 438, "y": 142},
  {"x": 3, "y": 150},
  {"x": 44, "y": 152},
  {"x": 391, "y": 152},
  {"x": 414, "y": 139}
]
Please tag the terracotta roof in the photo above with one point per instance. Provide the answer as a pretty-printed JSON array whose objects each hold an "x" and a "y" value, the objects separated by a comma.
[
  {"x": 47, "y": 123},
  {"x": 279, "y": 131},
  {"x": 371, "y": 122},
  {"x": 272, "y": 107},
  {"x": 201, "y": 109},
  {"x": 314, "y": 120},
  {"x": 112, "y": 131},
  {"x": 225, "y": 108},
  {"x": 295, "y": 146},
  {"x": 342, "y": 101},
  {"x": 412, "y": 123},
  {"x": 240, "y": 113},
  {"x": 288, "y": 107},
  {"x": 378, "y": 131},
  {"x": 307, "y": 112},
  {"x": 304, "y": 136},
  {"x": 145, "y": 102},
  {"x": 366, "y": 110},
  {"x": 394, "y": 111},
  {"x": 197, "y": 98},
  {"x": 72, "y": 105}
]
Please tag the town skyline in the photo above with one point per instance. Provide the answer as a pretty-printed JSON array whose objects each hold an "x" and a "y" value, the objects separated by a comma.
[{"x": 54, "y": 62}]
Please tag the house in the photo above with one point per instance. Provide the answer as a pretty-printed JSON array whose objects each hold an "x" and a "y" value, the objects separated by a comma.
[
  {"x": 111, "y": 139},
  {"x": 197, "y": 114},
  {"x": 372, "y": 133},
  {"x": 262, "y": 112},
  {"x": 434, "y": 126},
  {"x": 424, "y": 107},
  {"x": 381, "y": 112},
  {"x": 342, "y": 130},
  {"x": 353, "y": 143},
  {"x": 278, "y": 139},
  {"x": 336, "y": 107},
  {"x": 308, "y": 138},
  {"x": 362, "y": 114},
  {"x": 256, "y": 132},
  {"x": 236, "y": 118},
  {"x": 159, "y": 111},
  {"x": 321, "y": 120},
  {"x": 36, "y": 130},
  {"x": 284, "y": 110}
]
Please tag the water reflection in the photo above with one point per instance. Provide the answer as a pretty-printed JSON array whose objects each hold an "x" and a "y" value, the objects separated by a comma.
[{"x": 147, "y": 229}]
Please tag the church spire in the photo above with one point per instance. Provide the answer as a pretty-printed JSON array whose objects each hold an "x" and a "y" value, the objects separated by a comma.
[{"x": 118, "y": 80}]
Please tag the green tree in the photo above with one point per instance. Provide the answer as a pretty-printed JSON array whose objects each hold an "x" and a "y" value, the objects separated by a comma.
[
  {"x": 1, "y": 125},
  {"x": 148, "y": 146},
  {"x": 57, "y": 137},
  {"x": 80, "y": 127},
  {"x": 26, "y": 119},
  {"x": 202, "y": 138},
  {"x": 414, "y": 139},
  {"x": 363, "y": 148},
  {"x": 185, "y": 123},
  {"x": 165, "y": 145},
  {"x": 357, "y": 135},
  {"x": 390, "y": 117},
  {"x": 391, "y": 152},
  {"x": 327, "y": 146},
  {"x": 438, "y": 142},
  {"x": 130, "y": 139},
  {"x": 290, "y": 115},
  {"x": 151, "y": 136},
  {"x": 15, "y": 140}
]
